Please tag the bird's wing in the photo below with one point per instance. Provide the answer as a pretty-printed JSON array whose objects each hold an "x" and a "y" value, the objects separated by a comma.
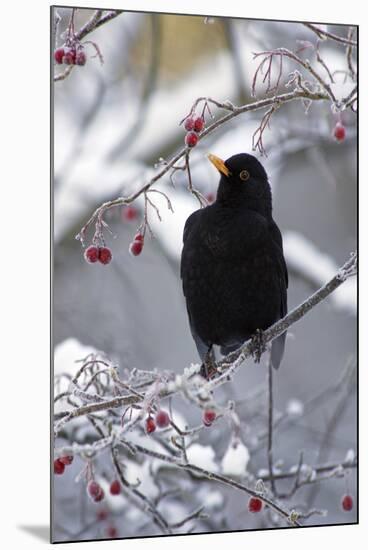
[
  {"x": 278, "y": 345},
  {"x": 277, "y": 239},
  {"x": 189, "y": 224},
  {"x": 185, "y": 265}
]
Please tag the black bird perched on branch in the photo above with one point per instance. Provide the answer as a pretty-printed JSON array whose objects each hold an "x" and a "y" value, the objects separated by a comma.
[{"x": 232, "y": 265}]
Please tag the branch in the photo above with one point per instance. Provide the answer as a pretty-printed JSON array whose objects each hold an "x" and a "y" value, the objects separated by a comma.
[
  {"x": 232, "y": 361},
  {"x": 184, "y": 153},
  {"x": 228, "y": 365},
  {"x": 97, "y": 20},
  {"x": 323, "y": 468},
  {"x": 285, "y": 514},
  {"x": 322, "y": 33},
  {"x": 269, "y": 54}
]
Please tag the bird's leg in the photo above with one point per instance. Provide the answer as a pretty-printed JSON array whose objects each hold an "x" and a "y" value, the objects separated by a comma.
[
  {"x": 258, "y": 345},
  {"x": 208, "y": 368}
]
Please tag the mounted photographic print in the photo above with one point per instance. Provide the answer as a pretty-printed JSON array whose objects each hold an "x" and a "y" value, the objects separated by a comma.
[{"x": 204, "y": 274}]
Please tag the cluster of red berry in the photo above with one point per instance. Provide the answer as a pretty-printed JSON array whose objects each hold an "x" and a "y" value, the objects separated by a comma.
[
  {"x": 193, "y": 125},
  {"x": 96, "y": 492},
  {"x": 161, "y": 420},
  {"x": 100, "y": 254},
  {"x": 70, "y": 55},
  {"x": 103, "y": 254},
  {"x": 60, "y": 463}
]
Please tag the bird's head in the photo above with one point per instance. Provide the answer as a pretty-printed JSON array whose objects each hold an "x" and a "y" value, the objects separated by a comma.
[{"x": 243, "y": 182}]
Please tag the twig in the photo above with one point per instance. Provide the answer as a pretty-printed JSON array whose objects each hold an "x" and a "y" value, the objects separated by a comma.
[
  {"x": 148, "y": 506},
  {"x": 197, "y": 514},
  {"x": 323, "y": 468},
  {"x": 305, "y": 64},
  {"x": 172, "y": 164},
  {"x": 96, "y": 21},
  {"x": 322, "y": 33},
  {"x": 217, "y": 477},
  {"x": 349, "y": 56}
]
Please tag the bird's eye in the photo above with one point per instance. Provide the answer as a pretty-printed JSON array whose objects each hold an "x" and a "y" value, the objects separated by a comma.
[{"x": 244, "y": 175}]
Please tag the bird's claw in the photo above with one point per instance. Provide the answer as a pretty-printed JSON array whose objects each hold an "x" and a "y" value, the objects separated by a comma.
[
  {"x": 208, "y": 368},
  {"x": 258, "y": 345}
]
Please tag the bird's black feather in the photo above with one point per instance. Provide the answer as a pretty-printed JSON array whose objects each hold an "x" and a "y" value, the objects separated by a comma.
[{"x": 233, "y": 269}]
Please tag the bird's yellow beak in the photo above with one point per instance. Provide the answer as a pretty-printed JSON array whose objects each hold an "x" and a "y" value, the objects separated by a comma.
[{"x": 219, "y": 164}]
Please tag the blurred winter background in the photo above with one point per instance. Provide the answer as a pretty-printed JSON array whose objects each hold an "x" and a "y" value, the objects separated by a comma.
[{"x": 112, "y": 123}]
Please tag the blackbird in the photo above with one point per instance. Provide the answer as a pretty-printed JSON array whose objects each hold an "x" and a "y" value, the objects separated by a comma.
[{"x": 233, "y": 268}]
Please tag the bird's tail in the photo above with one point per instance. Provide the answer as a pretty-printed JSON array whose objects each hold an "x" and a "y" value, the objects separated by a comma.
[{"x": 277, "y": 350}]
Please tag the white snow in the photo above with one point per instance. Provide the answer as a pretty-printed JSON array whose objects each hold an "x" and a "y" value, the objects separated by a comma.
[
  {"x": 304, "y": 257},
  {"x": 134, "y": 471},
  {"x": 294, "y": 407},
  {"x": 67, "y": 353},
  {"x": 202, "y": 456},
  {"x": 235, "y": 460},
  {"x": 212, "y": 499},
  {"x": 350, "y": 456}
]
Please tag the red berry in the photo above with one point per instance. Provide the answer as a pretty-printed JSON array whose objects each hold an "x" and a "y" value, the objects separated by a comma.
[
  {"x": 58, "y": 55},
  {"x": 208, "y": 417},
  {"x": 339, "y": 132},
  {"x": 198, "y": 124},
  {"x": 115, "y": 487},
  {"x": 150, "y": 425},
  {"x": 102, "y": 514},
  {"x": 130, "y": 213},
  {"x": 162, "y": 419},
  {"x": 95, "y": 491},
  {"x": 66, "y": 459},
  {"x": 59, "y": 467},
  {"x": 191, "y": 139},
  {"x": 136, "y": 247},
  {"x": 104, "y": 255},
  {"x": 255, "y": 505},
  {"x": 111, "y": 532},
  {"x": 80, "y": 58},
  {"x": 347, "y": 503},
  {"x": 69, "y": 56},
  {"x": 91, "y": 254},
  {"x": 189, "y": 123}
]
